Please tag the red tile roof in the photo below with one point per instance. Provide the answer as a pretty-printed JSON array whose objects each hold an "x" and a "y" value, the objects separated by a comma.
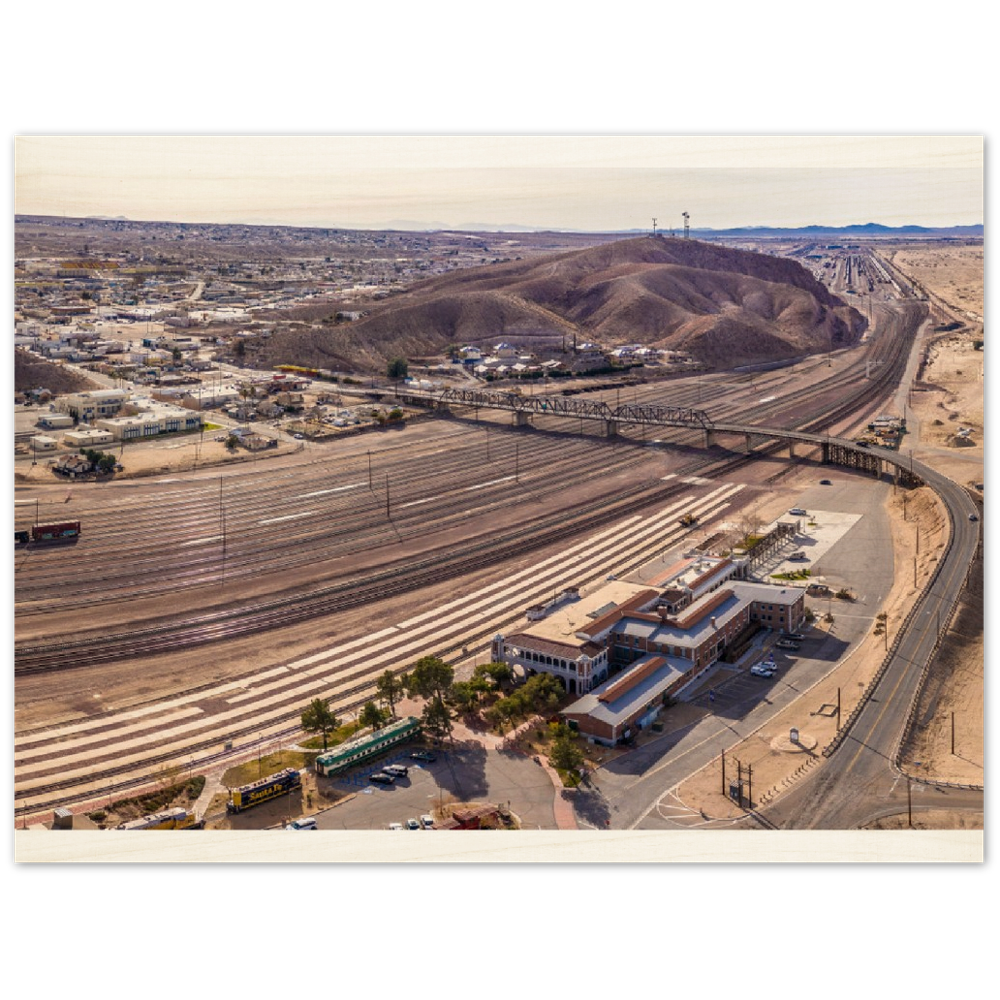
[{"x": 625, "y": 683}]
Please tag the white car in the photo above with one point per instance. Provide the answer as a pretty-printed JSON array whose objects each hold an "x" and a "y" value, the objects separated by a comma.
[
  {"x": 428, "y": 821},
  {"x": 306, "y": 823},
  {"x": 412, "y": 824},
  {"x": 395, "y": 826},
  {"x": 759, "y": 670}
]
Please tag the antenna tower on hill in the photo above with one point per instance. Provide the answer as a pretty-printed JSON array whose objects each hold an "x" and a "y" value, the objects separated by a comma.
[
  {"x": 654, "y": 227},
  {"x": 687, "y": 227}
]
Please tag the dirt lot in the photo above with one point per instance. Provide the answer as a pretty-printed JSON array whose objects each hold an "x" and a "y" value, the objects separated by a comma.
[
  {"x": 776, "y": 761},
  {"x": 952, "y": 273},
  {"x": 931, "y": 819}
]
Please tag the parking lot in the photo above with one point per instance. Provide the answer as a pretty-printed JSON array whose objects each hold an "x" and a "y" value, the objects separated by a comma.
[{"x": 468, "y": 773}]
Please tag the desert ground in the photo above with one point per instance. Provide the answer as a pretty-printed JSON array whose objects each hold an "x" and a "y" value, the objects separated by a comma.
[{"x": 954, "y": 274}]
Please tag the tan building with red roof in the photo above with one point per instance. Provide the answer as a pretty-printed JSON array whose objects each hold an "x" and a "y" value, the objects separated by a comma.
[{"x": 656, "y": 639}]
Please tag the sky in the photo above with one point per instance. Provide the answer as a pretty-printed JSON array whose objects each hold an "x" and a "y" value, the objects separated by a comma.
[{"x": 591, "y": 183}]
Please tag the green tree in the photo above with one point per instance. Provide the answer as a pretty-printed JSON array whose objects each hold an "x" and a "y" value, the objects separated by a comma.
[
  {"x": 565, "y": 755},
  {"x": 389, "y": 687},
  {"x": 430, "y": 677},
  {"x": 541, "y": 692},
  {"x": 464, "y": 696},
  {"x": 500, "y": 673},
  {"x": 318, "y": 718},
  {"x": 398, "y": 368},
  {"x": 372, "y": 715},
  {"x": 436, "y": 719}
]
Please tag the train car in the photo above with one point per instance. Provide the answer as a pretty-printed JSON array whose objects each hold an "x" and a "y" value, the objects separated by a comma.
[
  {"x": 247, "y": 796},
  {"x": 363, "y": 748},
  {"x": 169, "y": 819},
  {"x": 22, "y": 537},
  {"x": 55, "y": 532}
]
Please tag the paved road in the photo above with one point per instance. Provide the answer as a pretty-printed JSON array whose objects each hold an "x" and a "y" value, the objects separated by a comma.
[{"x": 855, "y": 784}]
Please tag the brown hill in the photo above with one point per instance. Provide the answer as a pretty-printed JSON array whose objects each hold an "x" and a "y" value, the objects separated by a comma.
[
  {"x": 726, "y": 307},
  {"x": 31, "y": 372}
]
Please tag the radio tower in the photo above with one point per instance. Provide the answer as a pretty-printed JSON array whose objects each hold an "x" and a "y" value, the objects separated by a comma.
[
  {"x": 654, "y": 227},
  {"x": 687, "y": 228}
]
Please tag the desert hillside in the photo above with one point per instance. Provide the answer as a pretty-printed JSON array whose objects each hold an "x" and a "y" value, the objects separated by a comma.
[
  {"x": 726, "y": 307},
  {"x": 31, "y": 372}
]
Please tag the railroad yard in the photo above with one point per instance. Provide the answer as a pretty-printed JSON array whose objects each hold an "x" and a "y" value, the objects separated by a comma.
[{"x": 202, "y": 608}]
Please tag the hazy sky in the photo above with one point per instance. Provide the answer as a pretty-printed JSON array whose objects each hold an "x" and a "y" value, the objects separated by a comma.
[{"x": 573, "y": 182}]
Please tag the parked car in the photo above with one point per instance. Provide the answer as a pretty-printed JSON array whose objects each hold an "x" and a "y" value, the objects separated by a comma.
[
  {"x": 396, "y": 770},
  {"x": 798, "y": 512},
  {"x": 423, "y": 755},
  {"x": 973, "y": 517},
  {"x": 825, "y": 482},
  {"x": 796, "y": 636},
  {"x": 428, "y": 821},
  {"x": 395, "y": 826},
  {"x": 786, "y": 644},
  {"x": 412, "y": 824},
  {"x": 381, "y": 778},
  {"x": 760, "y": 671},
  {"x": 306, "y": 823}
]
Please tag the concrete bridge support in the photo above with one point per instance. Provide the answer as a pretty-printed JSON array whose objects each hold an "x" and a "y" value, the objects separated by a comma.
[
  {"x": 791, "y": 449},
  {"x": 611, "y": 428},
  {"x": 749, "y": 443},
  {"x": 709, "y": 438},
  {"x": 523, "y": 418}
]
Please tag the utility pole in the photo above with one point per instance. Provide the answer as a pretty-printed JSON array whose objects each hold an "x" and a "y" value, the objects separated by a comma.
[
  {"x": 723, "y": 770},
  {"x": 953, "y": 734},
  {"x": 739, "y": 782},
  {"x": 838, "y": 710},
  {"x": 909, "y": 804},
  {"x": 387, "y": 514},
  {"x": 914, "y": 572},
  {"x": 749, "y": 786}
]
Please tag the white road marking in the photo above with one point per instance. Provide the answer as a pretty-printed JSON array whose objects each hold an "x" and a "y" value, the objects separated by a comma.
[
  {"x": 336, "y": 489},
  {"x": 482, "y": 486},
  {"x": 287, "y": 517},
  {"x": 201, "y": 541}
]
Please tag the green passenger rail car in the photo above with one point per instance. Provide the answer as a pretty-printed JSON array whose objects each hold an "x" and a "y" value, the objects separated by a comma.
[{"x": 362, "y": 748}]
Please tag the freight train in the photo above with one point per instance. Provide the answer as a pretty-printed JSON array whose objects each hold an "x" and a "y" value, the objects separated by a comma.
[
  {"x": 55, "y": 532},
  {"x": 247, "y": 796}
]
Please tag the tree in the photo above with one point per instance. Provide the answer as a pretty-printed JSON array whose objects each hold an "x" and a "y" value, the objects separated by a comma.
[
  {"x": 565, "y": 755},
  {"x": 318, "y": 718},
  {"x": 372, "y": 715},
  {"x": 430, "y": 677},
  {"x": 389, "y": 687},
  {"x": 398, "y": 368},
  {"x": 464, "y": 695},
  {"x": 436, "y": 719},
  {"x": 500, "y": 673}
]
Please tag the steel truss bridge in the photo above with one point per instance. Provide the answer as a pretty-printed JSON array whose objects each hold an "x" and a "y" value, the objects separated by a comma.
[{"x": 835, "y": 451}]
